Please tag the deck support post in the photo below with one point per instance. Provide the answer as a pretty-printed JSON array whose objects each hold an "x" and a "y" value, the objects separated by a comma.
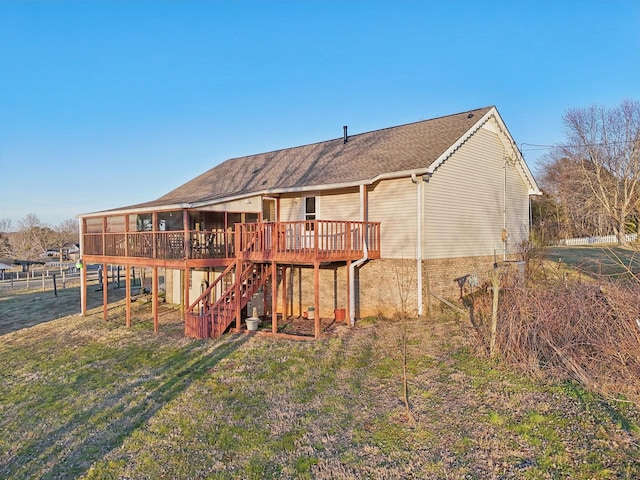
[
  {"x": 83, "y": 290},
  {"x": 274, "y": 297},
  {"x": 154, "y": 298},
  {"x": 284, "y": 293},
  {"x": 128, "y": 295},
  {"x": 185, "y": 286},
  {"x": 348, "y": 306},
  {"x": 237, "y": 282},
  {"x": 187, "y": 235},
  {"x": 300, "y": 313},
  {"x": 83, "y": 275},
  {"x": 105, "y": 290},
  {"x": 316, "y": 302}
]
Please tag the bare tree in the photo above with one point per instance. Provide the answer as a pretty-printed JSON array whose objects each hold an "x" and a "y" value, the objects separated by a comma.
[
  {"x": 5, "y": 245},
  {"x": 596, "y": 175},
  {"x": 571, "y": 207},
  {"x": 65, "y": 236},
  {"x": 32, "y": 238}
]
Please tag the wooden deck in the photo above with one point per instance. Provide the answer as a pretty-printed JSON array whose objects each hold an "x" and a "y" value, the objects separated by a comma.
[
  {"x": 251, "y": 253},
  {"x": 292, "y": 242}
]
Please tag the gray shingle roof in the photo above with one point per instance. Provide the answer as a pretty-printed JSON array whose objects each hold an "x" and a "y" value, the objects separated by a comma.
[{"x": 364, "y": 157}]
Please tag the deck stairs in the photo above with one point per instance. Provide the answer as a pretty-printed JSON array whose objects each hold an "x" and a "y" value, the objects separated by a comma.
[{"x": 239, "y": 281}]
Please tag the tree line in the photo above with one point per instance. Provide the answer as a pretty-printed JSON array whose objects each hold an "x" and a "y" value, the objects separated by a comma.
[
  {"x": 591, "y": 183},
  {"x": 32, "y": 238}
]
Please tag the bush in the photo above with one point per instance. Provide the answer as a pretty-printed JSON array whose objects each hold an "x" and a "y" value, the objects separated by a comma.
[{"x": 574, "y": 331}]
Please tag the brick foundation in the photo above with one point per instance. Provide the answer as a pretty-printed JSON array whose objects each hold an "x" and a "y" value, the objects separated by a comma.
[{"x": 385, "y": 286}]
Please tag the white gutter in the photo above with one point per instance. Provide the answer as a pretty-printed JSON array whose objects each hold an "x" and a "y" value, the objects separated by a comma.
[
  {"x": 127, "y": 210},
  {"x": 360, "y": 261},
  {"x": 418, "y": 183}
]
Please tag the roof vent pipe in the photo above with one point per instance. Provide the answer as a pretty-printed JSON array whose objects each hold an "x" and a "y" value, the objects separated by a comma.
[{"x": 346, "y": 137}]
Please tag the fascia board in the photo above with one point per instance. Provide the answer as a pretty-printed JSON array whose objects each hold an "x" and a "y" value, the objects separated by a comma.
[{"x": 123, "y": 211}]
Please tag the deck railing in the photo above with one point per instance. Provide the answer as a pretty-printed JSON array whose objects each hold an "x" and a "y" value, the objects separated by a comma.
[
  {"x": 307, "y": 240},
  {"x": 326, "y": 240},
  {"x": 170, "y": 245}
]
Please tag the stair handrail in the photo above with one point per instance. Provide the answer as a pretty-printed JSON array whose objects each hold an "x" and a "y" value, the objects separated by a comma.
[
  {"x": 207, "y": 292},
  {"x": 226, "y": 302},
  {"x": 241, "y": 278}
]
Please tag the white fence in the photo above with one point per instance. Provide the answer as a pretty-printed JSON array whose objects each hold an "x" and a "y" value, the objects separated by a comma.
[
  {"x": 43, "y": 280},
  {"x": 603, "y": 239}
]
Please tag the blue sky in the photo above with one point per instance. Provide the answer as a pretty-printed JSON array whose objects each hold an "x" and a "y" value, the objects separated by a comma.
[{"x": 110, "y": 103}]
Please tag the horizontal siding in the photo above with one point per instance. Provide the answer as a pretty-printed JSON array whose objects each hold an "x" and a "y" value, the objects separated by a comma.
[
  {"x": 291, "y": 208},
  {"x": 250, "y": 204},
  {"x": 517, "y": 211},
  {"x": 463, "y": 209},
  {"x": 464, "y": 201},
  {"x": 393, "y": 203},
  {"x": 343, "y": 204},
  {"x": 340, "y": 205}
]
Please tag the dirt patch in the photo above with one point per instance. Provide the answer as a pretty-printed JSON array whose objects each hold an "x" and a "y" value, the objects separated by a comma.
[{"x": 303, "y": 326}]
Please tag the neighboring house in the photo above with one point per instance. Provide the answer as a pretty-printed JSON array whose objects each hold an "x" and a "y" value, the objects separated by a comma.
[
  {"x": 3, "y": 267},
  {"x": 371, "y": 223},
  {"x": 68, "y": 252}
]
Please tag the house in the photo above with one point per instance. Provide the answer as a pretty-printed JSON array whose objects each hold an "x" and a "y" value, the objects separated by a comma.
[
  {"x": 366, "y": 224},
  {"x": 69, "y": 252}
]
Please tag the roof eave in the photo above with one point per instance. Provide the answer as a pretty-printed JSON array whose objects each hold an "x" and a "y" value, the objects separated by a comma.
[{"x": 126, "y": 210}]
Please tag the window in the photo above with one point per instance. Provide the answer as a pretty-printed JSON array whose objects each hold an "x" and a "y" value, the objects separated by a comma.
[
  {"x": 310, "y": 208},
  {"x": 310, "y": 212}
]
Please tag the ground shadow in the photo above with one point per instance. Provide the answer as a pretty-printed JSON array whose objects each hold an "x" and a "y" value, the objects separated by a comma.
[{"x": 71, "y": 449}]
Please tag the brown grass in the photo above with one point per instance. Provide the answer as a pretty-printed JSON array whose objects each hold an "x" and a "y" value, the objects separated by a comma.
[
  {"x": 562, "y": 325},
  {"x": 22, "y": 309}
]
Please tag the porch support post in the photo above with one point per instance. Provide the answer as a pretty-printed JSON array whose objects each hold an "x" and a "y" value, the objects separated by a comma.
[
  {"x": 300, "y": 291},
  {"x": 348, "y": 306},
  {"x": 185, "y": 303},
  {"x": 274, "y": 297},
  {"x": 237, "y": 286},
  {"x": 154, "y": 298},
  {"x": 128, "y": 295},
  {"x": 83, "y": 289},
  {"x": 316, "y": 303},
  {"x": 154, "y": 236},
  {"x": 182, "y": 309},
  {"x": 284, "y": 293},
  {"x": 265, "y": 304},
  {"x": 105, "y": 290},
  {"x": 83, "y": 272},
  {"x": 187, "y": 236}
]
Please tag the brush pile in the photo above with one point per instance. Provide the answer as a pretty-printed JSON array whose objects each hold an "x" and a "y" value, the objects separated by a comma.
[{"x": 573, "y": 331}]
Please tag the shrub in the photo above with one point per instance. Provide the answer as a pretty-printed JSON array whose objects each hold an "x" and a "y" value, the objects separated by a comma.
[{"x": 574, "y": 331}]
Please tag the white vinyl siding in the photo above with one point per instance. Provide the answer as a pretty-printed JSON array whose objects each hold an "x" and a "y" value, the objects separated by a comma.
[
  {"x": 340, "y": 205},
  {"x": 465, "y": 202},
  {"x": 291, "y": 209},
  {"x": 250, "y": 204},
  {"x": 393, "y": 203},
  {"x": 517, "y": 211}
]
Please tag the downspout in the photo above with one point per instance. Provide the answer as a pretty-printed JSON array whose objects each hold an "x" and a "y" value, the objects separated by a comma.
[
  {"x": 418, "y": 183},
  {"x": 360, "y": 261},
  {"x": 504, "y": 211}
]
